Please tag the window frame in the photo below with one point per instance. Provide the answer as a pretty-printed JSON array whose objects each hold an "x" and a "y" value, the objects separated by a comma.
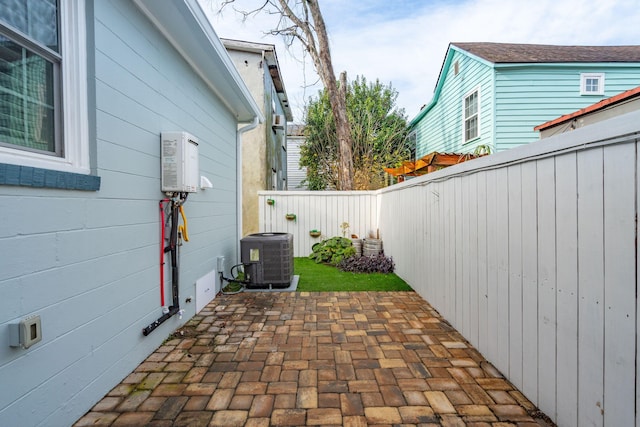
[
  {"x": 465, "y": 118},
  {"x": 584, "y": 77},
  {"x": 72, "y": 151}
]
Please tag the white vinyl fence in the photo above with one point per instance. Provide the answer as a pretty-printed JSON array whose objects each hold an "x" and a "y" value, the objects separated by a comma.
[
  {"x": 532, "y": 255},
  {"x": 324, "y": 211}
]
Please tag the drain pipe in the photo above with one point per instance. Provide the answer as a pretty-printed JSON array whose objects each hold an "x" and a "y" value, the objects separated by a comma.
[{"x": 256, "y": 120}]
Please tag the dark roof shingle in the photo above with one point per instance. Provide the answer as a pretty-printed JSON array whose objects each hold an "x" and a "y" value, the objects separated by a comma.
[{"x": 538, "y": 53}]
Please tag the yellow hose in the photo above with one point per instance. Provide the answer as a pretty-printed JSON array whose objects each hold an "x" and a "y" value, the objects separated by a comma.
[{"x": 183, "y": 228}]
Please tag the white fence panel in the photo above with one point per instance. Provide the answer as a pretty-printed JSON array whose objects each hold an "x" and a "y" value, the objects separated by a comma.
[
  {"x": 567, "y": 299},
  {"x": 530, "y": 253},
  {"x": 325, "y": 211},
  {"x": 514, "y": 230},
  {"x": 591, "y": 289},
  {"x": 547, "y": 235},
  {"x": 529, "y": 279},
  {"x": 547, "y": 307},
  {"x": 619, "y": 284}
]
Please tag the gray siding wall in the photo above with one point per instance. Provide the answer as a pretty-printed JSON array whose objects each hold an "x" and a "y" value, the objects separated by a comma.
[
  {"x": 87, "y": 262},
  {"x": 275, "y": 138}
]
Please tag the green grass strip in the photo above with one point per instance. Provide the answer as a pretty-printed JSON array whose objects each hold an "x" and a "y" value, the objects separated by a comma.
[{"x": 327, "y": 278}]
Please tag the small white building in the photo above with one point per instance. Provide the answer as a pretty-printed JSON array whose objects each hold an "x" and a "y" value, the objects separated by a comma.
[{"x": 295, "y": 173}]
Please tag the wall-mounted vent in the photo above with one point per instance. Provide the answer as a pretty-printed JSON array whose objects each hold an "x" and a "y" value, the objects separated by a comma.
[{"x": 279, "y": 121}]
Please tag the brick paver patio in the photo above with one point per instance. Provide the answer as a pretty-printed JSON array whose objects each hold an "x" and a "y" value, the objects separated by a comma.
[{"x": 321, "y": 359}]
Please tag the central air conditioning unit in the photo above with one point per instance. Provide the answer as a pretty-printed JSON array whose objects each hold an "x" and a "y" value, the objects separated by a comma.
[{"x": 267, "y": 259}]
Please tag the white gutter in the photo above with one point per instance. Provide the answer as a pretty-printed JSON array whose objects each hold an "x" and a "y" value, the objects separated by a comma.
[{"x": 256, "y": 120}]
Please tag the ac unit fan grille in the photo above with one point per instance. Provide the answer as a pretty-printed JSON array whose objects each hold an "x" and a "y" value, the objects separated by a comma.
[{"x": 274, "y": 265}]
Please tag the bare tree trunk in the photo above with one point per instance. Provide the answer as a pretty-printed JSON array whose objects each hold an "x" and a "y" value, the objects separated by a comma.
[
  {"x": 318, "y": 48},
  {"x": 343, "y": 131},
  {"x": 312, "y": 33}
]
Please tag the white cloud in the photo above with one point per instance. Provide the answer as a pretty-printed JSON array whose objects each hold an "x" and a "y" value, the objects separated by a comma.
[{"x": 406, "y": 46}]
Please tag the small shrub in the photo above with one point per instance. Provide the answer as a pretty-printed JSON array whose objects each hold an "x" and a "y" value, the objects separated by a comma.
[
  {"x": 332, "y": 251},
  {"x": 368, "y": 264}
]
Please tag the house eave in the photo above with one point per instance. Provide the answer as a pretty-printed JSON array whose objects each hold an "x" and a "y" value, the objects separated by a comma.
[
  {"x": 268, "y": 52},
  {"x": 203, "y": 51},
  {"x": 444, "y": 70}
]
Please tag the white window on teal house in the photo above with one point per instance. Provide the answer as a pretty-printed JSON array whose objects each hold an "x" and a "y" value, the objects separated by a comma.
[
  {"x": 412, "y": 142},
  {"x": 471, "y": 116},
  {"x": 592, "y": 84},
  {"x": 43, "y": 101}
]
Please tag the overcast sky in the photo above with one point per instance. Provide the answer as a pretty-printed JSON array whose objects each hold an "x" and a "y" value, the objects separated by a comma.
[{"x": 403, "y": 42}]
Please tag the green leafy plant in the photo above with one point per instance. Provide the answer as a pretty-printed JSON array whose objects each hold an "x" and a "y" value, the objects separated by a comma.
[
  {"x": 482, "y": 150},
  {"x": 332, "y": 251},
  {"x": 378, "y": 130}
]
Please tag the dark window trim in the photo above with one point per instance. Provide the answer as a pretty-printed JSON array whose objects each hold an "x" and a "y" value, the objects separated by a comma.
[{"x": 27, "y": 176}]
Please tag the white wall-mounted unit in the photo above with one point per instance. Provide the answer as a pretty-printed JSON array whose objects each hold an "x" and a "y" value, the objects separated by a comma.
[
  {"x": 206, "y": 289},
  {"x": 180, "y": 165}
]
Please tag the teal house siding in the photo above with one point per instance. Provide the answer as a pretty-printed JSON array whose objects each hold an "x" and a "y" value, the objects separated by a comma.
[
  {"x": 520, "y": 86},
  {"x": 441, "y": 128},
  {"x": 87, "y": 262},
  {"x": 526, "y": 96}
]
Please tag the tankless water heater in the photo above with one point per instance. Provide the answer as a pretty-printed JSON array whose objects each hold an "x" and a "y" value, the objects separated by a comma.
[{"x": 180, "y": 165}]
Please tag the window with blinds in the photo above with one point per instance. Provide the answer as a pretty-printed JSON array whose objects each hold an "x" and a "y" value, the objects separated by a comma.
[{"x": 30, "y": 62}]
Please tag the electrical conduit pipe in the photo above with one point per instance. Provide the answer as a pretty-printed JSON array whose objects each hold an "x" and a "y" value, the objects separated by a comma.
[
  {"x": 162, "y": 251},
  {"x": 173, "y": 249}
]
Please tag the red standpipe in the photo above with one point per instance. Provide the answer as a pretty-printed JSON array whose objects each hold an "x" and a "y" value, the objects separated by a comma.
[{"x": 162, "y": 237}]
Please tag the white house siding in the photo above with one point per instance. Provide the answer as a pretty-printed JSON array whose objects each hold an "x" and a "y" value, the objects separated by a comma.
[
  {"x": 87, "y": 262},
  {"x": 526, "y": 96},
  {"x": 441, "y": 128},
  {"x": 295, "y": 173}
]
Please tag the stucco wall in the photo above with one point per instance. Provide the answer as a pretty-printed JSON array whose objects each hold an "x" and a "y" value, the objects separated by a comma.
[{"x": 262, "y": 150}]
